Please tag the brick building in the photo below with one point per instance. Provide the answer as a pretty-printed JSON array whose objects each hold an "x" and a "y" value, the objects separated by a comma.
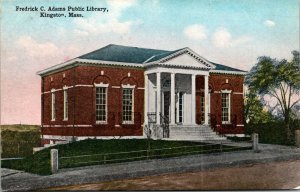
[{"x": 120, "y": 91}]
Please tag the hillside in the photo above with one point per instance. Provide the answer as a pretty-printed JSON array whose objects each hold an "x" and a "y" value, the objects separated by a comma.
[{"x": 20, "y": 127}]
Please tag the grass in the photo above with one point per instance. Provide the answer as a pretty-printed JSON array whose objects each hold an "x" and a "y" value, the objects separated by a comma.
[
  {"x": 40, "y": 162},
  {"x": 20, "y": 128},
  {"x": 18, "y": 140}
]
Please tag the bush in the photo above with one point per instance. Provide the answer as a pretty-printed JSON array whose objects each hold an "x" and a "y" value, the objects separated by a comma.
[
  {"x": 273, "y": 132},
  {"x": 19, "y": 143}
]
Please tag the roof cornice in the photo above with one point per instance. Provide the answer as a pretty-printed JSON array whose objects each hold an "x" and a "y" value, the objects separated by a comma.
[
  {"x": 149, "y": 65},
  {"x": 228, "y": 72},
  {"x": 78, "y": 61}
]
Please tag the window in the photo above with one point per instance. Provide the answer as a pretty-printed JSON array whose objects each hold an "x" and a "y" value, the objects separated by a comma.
[
  {"x": 225, "y": 108},
  {"x": 53, "y": 106},
  {"x": 65, "y": 104},
  {"x": 180, "y": 106},
  {"x": 101, "y": 104},
  {"x": 127, "y": 105}
]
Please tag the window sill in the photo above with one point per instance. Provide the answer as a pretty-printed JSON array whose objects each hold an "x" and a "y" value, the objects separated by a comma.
[
  {"x": 226, "y": 123},
  {"x": 52, "y": 119},
  {"x": 65, "y": 119},
  {"x": 101, "y": 123},
  {"x": 128, "y": 123}
]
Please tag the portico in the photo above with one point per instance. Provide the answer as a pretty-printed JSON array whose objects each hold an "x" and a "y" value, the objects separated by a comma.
[{"x": 171, "y": 92}]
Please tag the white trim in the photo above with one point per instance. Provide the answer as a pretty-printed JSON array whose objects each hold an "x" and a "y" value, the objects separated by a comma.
[
  {"x": 175, "y": 66},
  {"x": 65, "y": 104},
  {"x": 128, "y": 86},
  {"x": 53, "y": 112},
  {"x": 240, "y": 125},
  {"x": 67, "y": 125},
  {"x": 226, "y": 91},
  {"x": 237, "y": 93},
  {"x": 161, "y": 69},
  {"x": 85, "y": 61},
  {"x": 229, "y": 106},
  {"x": 57, "y": 137},
  {"x": 55, "y": 90},
  {"x": 183, "y": 51},
  {"x": 46, "y": 92},
  {"x": 84, "y": 86},
  {"x": 116, "y": 87},
  {"x": 66, "y": 87},
  {"x": 102, "y": 122},
  {"x": 228, "y": 72},
  {"x": 235, "y": 135},
  {"x": 140, "y": 88},
  {"x": 101, "y": 85},
  {"x": 132, "y": 105}
]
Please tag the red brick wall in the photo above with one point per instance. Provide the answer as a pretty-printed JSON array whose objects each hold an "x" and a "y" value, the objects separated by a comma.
[
  {"x": 217, "y": 82},
  {"x": 82, "y": 101}
]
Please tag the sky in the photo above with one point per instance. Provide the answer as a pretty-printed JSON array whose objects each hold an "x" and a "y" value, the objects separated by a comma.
[{"x": 230, "y": 32}]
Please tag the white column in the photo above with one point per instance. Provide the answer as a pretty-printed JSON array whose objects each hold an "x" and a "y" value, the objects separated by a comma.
[
  {"x": 193, "y": 107},
  {"x": 172, "y": 98},
  {"x": 158, "y": 98},
  {"x": 206, "y": 100},
  {"x": 146, "y": 93}
]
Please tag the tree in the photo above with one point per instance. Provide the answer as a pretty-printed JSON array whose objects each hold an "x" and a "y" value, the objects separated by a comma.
[
  {"x": 254, "y": 110},
  {"x": 280, "y": 80}
]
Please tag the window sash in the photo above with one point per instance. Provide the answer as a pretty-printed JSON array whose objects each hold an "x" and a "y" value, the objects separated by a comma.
[
  {"x": 127, "y": 105},
  {"x": 225, "y": 108},
  {"x": 101, "y": 104},
  {"x": 66, "y": 107},
  {"x": 53, "y": 114}
]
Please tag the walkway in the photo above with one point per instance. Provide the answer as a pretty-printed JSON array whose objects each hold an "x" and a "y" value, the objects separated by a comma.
[{"x": 16, "y": 180}]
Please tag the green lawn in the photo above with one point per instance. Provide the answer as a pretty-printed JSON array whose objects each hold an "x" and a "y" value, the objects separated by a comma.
[{"x": 104, "y": 151}]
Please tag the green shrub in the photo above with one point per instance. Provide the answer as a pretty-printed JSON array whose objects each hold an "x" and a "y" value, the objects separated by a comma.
[
  {"x": 273, "y": 132},
  {"x": 19, "y": 143}
]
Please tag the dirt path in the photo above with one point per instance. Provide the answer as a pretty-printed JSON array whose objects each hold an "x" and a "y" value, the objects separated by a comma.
[{"x": 282, "y": 175}]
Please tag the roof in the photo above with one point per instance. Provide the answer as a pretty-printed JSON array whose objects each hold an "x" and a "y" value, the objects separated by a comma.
[
  {"x": 120, "y": 53},
  {"x": 221, "y": 67},
  {"x": 133, "y": 56}
]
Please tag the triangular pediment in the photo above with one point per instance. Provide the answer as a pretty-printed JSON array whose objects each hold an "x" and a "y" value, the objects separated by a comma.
[{"x": 187, "y": 58}]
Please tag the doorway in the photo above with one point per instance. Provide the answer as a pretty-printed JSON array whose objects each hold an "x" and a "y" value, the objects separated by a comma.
[{"x": 166, "y": 104}]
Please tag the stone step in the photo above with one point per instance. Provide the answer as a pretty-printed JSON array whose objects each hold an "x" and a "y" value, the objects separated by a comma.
[
  {"x": 197, "y": 138},
  {"x": 194, "y": 132}
]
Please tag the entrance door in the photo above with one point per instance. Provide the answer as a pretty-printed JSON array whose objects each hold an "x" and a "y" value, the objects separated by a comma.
[{"x": 166, "y": 104}]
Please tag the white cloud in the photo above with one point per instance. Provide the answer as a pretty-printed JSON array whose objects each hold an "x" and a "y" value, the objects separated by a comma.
[
  {"x": 33, "y": 48},
  {"x": 93, "y": 27},
  {"x": 269, "y": 23},
  {"x": 223, "y": 39},
  {"x": 195, "y": 32},
  {"x": 108, "y": 23}
]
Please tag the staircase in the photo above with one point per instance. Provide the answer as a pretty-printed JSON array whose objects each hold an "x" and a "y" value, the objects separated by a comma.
[{"x": 193, "y": 133}]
